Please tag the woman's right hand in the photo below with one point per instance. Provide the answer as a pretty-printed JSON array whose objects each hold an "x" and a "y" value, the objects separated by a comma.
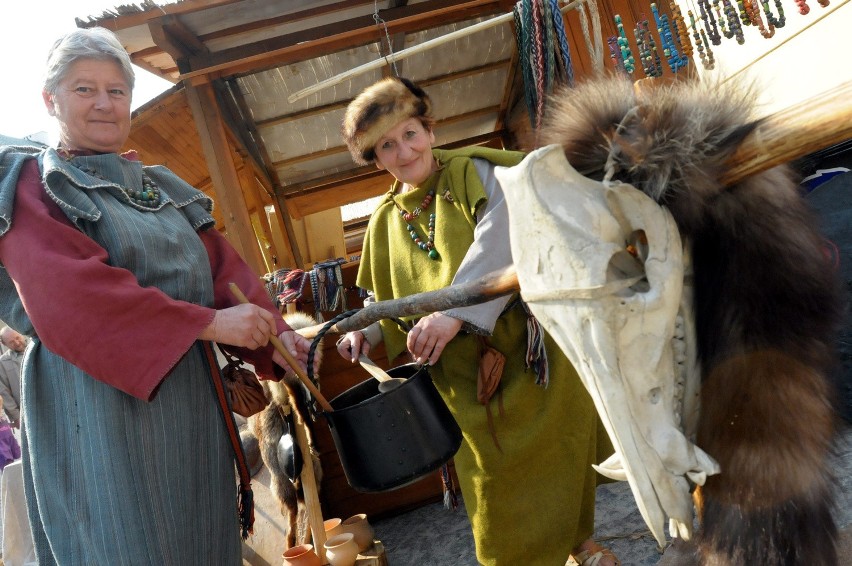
[
  {"x": 351, "y": 345},
  {"x": 245, "y": 326}
]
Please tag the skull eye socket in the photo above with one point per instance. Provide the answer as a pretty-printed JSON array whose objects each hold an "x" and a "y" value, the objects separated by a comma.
[{"x": 630, "y": 262}]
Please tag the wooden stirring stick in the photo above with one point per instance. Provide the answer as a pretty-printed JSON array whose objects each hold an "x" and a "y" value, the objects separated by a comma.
[{"x": 276, "y": 343}]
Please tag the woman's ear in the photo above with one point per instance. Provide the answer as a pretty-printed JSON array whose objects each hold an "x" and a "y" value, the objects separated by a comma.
[
  {"x": 379, "y": 165},
  {"x": 48, "y": 102}
]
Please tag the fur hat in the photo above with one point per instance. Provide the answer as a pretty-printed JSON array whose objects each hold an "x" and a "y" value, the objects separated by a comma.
[{"x": 379, "y": 108}]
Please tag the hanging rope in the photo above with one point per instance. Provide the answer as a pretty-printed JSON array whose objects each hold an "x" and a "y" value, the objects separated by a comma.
[{"x": 594, "y": 46}]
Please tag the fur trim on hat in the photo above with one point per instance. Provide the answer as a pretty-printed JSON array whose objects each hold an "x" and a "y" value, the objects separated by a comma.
[{"x": 379, "y": 108}]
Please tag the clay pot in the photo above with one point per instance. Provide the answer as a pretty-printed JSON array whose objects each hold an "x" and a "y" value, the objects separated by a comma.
[
  {"x": 302, "y": 555},
  {"x": 333, "y": 527},
  {"x": 341, "y": 550},
  {"x": 361, "y": 529}
]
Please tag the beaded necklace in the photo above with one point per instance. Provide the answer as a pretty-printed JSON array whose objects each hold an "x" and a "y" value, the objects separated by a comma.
[
  {"x": 754, "y": 16},
  {"x": 778, "y": 22},
  {"x": 429, "y": 245},
  {"x": 668, "y": 43},
  {"x": 710, "y": 22},
  {"x": 651, "y": 62},
  {"x": 682, "y": 31},
  {"x": 701, "y": 43},
  {"x": 147, "y": 197},
  {"x": 735, "y": 27},
  {"x": 624, "y": 45}
]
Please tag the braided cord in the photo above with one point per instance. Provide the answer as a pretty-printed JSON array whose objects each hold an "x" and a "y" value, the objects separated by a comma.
[
  {"x": 523, "y": 55},
  {"x": 562, "y": 37},
  {"x": 526, "y": 46},
  {"x": 539, "y": 65},
  {"x": 550, "y": 48}
]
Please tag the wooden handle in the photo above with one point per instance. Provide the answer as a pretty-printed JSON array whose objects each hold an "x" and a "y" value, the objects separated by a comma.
[
  {"x": 276, "y": 343},
  {"x": 490, "y": 286}
]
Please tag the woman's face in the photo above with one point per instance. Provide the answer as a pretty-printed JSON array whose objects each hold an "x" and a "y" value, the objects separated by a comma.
[
  {"x": 405, "y": 151},
  {"x": 92, "y": 104}
]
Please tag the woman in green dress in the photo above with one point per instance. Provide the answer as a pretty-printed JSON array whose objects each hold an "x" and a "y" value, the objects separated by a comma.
[{"x": 525, "y": 474}]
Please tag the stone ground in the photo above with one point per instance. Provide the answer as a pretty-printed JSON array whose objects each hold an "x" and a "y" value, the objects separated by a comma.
[{"x": 434, "y": 536}]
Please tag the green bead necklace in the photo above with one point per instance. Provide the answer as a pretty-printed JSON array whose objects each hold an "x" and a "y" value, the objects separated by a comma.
[
  {"x": 147, "y": 197},
  {"x": 429, "y": 245}
]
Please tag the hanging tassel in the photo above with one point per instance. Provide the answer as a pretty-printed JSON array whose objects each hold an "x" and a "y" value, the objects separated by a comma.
[
  {"x": 245, "y": 504},
  {"x": 451, "y": 500},
  {"x": 536, "y": 353}
]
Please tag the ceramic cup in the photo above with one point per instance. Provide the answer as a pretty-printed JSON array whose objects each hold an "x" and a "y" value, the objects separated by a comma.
[
  {"x": 302, "y": 555},
  {"x": 341, "y": 550},
  {"x": 361, "y": 529},
  {"x": 332, "y": 527}
]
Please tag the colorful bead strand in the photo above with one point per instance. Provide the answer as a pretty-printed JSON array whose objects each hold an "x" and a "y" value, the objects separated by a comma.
[{"x": 624, "y": 45}]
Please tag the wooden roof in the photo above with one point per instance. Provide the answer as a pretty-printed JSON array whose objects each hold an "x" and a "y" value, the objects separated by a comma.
[{"x": 237, "y": 63}]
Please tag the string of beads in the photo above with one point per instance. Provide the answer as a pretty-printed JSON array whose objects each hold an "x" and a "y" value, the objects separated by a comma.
[
  {"x": 148, "y": 196},
  {"x": 428, "y": 245}
]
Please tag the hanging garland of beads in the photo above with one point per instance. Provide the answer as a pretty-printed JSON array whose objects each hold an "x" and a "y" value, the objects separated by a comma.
[
  {"x": 735, "y": 27},
  {"x": 754, "y": 16},
  {"x": 615, "y": 54},
  {"x": 746, "y": 21},
  {"x": 710, "y": 22},
  {"x": 675, "y": 60},
  {"x": 652, "y": 65},
  {"x": 778, "y": 22},
  {"x": 429, "y": 245},
  {"x": 701, "y": 43},
  {"x": 803, "y": 7},
  {"x": 682, "y": 32},
  {"x": 624, "y": 46}
]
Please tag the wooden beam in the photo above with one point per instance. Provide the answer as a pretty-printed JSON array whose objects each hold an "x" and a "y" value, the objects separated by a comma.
[
  {"x": 172, "y": 36},
  {"x": 339, "y": 195},
  {"x": 116, "y": 22},
  {"x": 443, "y": 78},
  {"x": 226, "y": 181},
  {"x": 362, "y": 183},
  {"x": 322, "y": 40}
]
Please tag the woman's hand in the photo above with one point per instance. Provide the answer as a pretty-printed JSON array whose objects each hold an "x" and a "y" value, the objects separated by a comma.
[
  {"x": 426, "y": 341},
  {"x": 298, "y": 346},
  {"x": 246, "y": 326},
  {"x": 353, "y": 344}
]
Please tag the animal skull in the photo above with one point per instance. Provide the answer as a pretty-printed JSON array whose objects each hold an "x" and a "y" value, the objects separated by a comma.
[{"x": 602, "y": 267}]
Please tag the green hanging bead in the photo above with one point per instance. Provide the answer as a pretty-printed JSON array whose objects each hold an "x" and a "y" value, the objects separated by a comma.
[{"x": 433, "y": 253}]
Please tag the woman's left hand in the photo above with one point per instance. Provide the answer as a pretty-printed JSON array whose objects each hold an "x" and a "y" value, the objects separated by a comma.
[
  {"x": 426, "y": 341},
  {"x": 298, "y": 346}
]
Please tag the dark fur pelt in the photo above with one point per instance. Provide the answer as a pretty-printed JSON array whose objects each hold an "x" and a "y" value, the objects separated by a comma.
[
  {"x": 268, "y": 426},
  {"x": 767, "y": 306}
]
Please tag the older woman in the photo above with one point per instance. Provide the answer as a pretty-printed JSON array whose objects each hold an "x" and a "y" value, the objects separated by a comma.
[
  {"x": 115, "y": 271},
  {"x": 526, "y": 475}
]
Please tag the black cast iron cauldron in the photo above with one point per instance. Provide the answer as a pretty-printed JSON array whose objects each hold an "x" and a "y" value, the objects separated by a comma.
[{"x": 391, "y": 439}]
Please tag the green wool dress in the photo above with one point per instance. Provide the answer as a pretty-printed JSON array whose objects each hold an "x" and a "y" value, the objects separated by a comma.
[{"x": 533, "y": 501}]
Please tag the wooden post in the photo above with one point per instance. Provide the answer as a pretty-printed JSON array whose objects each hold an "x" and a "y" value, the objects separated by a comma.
[{"x": 226, "y": 182}]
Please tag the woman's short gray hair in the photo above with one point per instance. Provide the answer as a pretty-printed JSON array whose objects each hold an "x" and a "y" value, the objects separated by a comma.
[{"x": 93, "y": 43}]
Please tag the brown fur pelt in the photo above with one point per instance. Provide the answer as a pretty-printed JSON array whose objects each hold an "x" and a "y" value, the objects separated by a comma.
[
  {"x": 767, "y": 306},
  {"x": 268, "y": 426}
]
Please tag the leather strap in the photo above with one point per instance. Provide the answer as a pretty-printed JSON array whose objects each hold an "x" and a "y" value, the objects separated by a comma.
[{"x": 246, "y": 497}]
